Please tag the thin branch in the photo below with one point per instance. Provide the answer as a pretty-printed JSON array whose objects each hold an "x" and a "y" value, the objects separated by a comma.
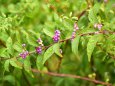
[
  {"x": 72, "y": 76},
  {"x": 84, "y": 11}
]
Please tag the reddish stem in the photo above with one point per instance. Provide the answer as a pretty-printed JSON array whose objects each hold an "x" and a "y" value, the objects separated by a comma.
[{"x": 72, "y": 76}]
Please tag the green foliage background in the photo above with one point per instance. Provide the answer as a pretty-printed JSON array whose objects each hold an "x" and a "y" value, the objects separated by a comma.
[{"x": 24, "y": 21}]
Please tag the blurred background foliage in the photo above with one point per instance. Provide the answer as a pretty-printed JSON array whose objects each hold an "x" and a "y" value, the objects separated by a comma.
[{"x": 24, "y": 21}]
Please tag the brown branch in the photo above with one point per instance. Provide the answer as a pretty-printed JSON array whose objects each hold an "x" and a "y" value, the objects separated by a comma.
[
  {"x": 84, "y": 11},
  {"x": 81, "y": 14},
  {"x": 72, "y": 76}
]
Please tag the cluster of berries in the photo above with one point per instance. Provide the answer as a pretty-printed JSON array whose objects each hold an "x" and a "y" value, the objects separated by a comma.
[
  {"x": 39, "y": 49},
  {"x": 24, "y": 54},
  {"x": 74, "y": 30},
  {"x": 56, "y": 37}
]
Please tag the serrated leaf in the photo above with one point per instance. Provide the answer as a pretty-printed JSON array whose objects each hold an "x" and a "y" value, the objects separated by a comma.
[
  {"x": 9, "y": 45},
  {"x": 48, "y": 54},
  {"x": 75, "y": 44},
  {"x": 6, "y": 65},
  {"x": 17, "y": 46},
  {"x": 18, "y": 36},
  {"x": 56, "y": 48},
  {"x": 27, "y": 66},
  {"x": 31, "y": 41},
  {"x": 39, "y": 62},
  {"x": 15, "y": 63},
  {"x": 47, "y": 32},
  {"x": 93, "y": 13},
  {"x": 3, "y": 53},
  {"x": 91, "y": 45}
]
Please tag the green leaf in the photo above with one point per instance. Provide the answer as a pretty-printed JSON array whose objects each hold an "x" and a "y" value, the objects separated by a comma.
[
  {"x": 48, "y": 54},
  {"x": 75, "y": 44},
  {"x": 17, "y": 46},
  {"x": 93, "y": 13},
  {"x": 10, "y": 79},
  {"x": 39, "y": 62},
  {"x": 9, "y": 45},
  {"x": 56, "y": 48},
  {"x": 6, "y": 65},
  {"x": 3, "y": 53},
  {"x": 31, "y": 41},
  {"x": 47, "y": 32},
  {"x": 18, "y": 36},
  {"x": 15, "y": 63},
  {"x": 27, "y": 66},
  {"x": 91, "y": 45}
]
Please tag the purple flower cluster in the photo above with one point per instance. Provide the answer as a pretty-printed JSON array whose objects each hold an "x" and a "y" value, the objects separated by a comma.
[
  {"x": 24, "y": 54},
  {"x": 40, "y": 41},
  {"x": 99, "y": 26},
  {"x": 39, "y": 49},
  {"x": 56, "y": 37},
  {"x": 74, "y": 30}
]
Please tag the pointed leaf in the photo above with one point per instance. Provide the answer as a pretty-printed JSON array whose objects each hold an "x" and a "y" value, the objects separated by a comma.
[
  {"x": 48, "y": 54},
  {"x": 17, "y": 46},
  {"x": 39, "y": 62},
  {"x": 6, "y": 65},
  {"x": 15, "y": 63},
  {"x": 91, "y": 45},
  {"x": 75, "y": 44},
  {"x": 9, "y": 45},
  {"x": 56, "y": 48},
  {"x": 47, "y": 32}
]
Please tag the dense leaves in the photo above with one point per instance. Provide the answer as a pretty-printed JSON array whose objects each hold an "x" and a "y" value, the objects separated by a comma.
[{"x": 87, "y": 49}]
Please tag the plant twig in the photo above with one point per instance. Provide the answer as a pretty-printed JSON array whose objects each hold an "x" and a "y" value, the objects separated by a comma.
[{"x": 72, "y": 76}]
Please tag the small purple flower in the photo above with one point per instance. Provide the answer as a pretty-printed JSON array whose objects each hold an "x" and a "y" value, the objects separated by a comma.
[
  {"x": 56, "y": 37},
  {"x": 73, "y": 35},
  {"x": 23, "y": 45},
  {"x": 40, "y": 41},
  {"x": 24, "y": 54},
  {"x": 76, "y": 27},
  {"x": 57, "y": 32},
  {"x": 99, "y": 26},
  {"x": 39, "y": 49}
]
